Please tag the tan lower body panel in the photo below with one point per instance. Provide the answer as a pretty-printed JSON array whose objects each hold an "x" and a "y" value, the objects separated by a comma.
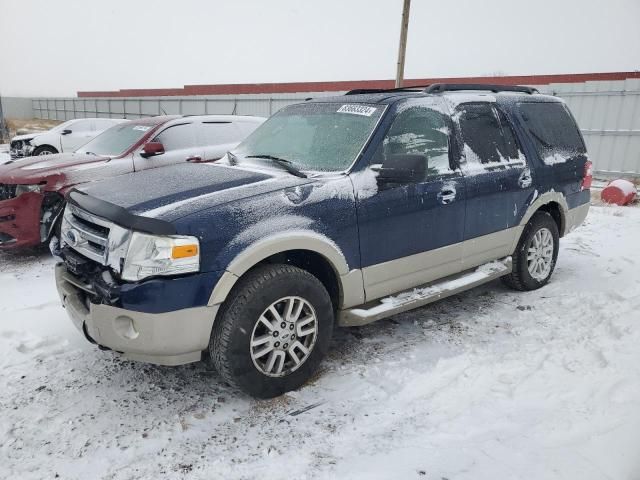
[
  {"x": 171, "y": 338},
  {"x": 397, "y": 275}
]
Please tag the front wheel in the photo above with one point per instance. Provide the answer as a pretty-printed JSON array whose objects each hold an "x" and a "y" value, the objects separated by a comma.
[
  {"x": 535, "y": 257},
  {"x": 272, "y": 331},
  {"x": 44, "y": 150}
]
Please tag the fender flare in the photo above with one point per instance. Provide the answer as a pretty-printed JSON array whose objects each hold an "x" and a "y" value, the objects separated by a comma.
[
  {"x": 351, "y": 286},
  {"x": 544, "y": 199}
]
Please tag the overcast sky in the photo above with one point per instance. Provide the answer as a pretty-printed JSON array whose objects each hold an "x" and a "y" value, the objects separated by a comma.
[{"x": 55, "y": 48}]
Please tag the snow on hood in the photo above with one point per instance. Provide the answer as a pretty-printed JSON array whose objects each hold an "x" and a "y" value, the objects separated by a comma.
[
  {"x": 175, "y": 191},
  {"x": 28, "y": 136},
  {"x": 41, "y": 168}
]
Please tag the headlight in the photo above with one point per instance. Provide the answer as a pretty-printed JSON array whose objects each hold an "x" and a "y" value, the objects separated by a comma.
[
  {"x": 20, "y": 189},
  {"x": 149, "y": 255}
]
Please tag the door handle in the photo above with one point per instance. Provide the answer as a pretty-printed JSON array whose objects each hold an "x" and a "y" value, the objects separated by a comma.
[
  {"x": 447, "y": 195},
  {"x": 195, "y": 159},
  {"x": 525, "y": 180}
]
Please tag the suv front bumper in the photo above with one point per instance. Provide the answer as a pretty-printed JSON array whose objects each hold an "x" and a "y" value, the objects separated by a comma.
[{"x": 168, "y": 338}]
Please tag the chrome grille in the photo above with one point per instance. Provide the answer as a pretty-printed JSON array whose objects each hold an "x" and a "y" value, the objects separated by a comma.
[
  {"x": 86, "y": 234},
  {"x": 94, "y": 237}
]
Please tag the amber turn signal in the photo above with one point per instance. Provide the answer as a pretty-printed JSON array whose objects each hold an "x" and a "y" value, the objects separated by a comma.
[{"x": 184, "y": 251}]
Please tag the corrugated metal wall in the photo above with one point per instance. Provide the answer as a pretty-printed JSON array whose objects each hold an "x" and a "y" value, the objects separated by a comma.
[{"x": 608, "y": 113}]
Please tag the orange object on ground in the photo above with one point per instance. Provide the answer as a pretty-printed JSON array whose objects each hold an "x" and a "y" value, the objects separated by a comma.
[{"x": 620, "y": 192}]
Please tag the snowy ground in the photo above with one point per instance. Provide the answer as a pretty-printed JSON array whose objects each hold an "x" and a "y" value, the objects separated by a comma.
[{"x": 490, "y": 384}]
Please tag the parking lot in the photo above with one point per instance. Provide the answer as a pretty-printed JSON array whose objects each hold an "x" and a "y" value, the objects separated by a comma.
[{"x": 487, "y": 384}]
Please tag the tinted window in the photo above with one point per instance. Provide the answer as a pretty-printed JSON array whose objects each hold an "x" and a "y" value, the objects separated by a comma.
[
  {"x": 418, "y": 130},
  {"x": 484, "y": 139},
  {"x": 177, "y": 137},
  {"x": 555, "y": 134},
  {"x": 216, "y": 133}
]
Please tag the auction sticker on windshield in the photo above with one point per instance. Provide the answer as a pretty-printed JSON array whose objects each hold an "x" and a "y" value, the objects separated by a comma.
[
  {"x": 357, "y": 110},
  {"x": 142, "y": 128}
]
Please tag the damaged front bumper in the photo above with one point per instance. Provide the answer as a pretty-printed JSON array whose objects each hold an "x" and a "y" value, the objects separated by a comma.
[
  {"x": 109, "y": 315},
  {"x": 20, "y": 149},
  {"x": 27, "y": 220}
]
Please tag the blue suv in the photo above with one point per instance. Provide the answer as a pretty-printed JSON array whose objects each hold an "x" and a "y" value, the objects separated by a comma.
[{"x": 336, "y": 211}]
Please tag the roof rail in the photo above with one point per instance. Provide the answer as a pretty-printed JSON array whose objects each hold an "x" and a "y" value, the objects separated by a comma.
[
  {"x": 412, "y": 88},
  {"x": 452, "y": 87}
]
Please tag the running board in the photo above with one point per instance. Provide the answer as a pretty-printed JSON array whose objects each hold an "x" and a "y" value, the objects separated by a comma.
[{"x": 420, "y": 296}]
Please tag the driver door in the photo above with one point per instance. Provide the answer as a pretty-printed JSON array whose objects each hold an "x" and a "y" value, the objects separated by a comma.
[
  {"x": 411, "y": 233},
  {"x": 180, "y": 146}
]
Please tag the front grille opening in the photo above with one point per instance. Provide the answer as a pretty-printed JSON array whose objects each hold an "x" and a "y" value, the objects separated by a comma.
[
  {"x": 7, "y": 192},
  {"x": 98, "y": 229},
  {"x": 96, "y": 246},
  {"x": 6, "y": 238}
]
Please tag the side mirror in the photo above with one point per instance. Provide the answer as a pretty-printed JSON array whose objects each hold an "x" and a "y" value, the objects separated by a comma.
[
  {"x": 403, "y": 168},
  {"x": 152, "y": 149},
  {"x": 66, "y": 132}
]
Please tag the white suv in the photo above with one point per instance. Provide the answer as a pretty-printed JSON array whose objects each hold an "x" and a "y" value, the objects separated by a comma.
[{"x": 65, "y": 137}]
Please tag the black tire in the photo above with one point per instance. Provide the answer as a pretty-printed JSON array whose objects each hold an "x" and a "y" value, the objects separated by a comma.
[
  {"x": 521, "y": 278},
  {"x": 255, "y": 292},
  {"x": 44, "y": 150}
]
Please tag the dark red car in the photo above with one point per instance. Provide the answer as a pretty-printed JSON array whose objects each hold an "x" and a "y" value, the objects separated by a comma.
[{"x": 32, "y": 190}]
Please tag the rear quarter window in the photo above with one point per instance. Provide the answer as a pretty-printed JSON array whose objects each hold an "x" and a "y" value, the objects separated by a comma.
[{"x": 553, "y": 131}]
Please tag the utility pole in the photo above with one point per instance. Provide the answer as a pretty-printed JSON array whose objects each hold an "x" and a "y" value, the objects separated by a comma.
[
  {"x": 403, "y": 42},
  {"x": 4, "y": 130}
]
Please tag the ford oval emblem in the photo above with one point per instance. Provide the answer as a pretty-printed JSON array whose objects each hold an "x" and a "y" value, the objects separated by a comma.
[{"x": 72, "y": 238}]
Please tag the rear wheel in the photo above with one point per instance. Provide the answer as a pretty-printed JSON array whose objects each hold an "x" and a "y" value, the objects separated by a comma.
[
  {"x": 535, "y": 257},
  {"x": 273, "y": 330},
  {"x": 44, "y": 150}
]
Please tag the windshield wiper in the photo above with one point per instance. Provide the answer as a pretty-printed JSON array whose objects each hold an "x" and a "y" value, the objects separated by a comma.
[{"x": 283, "y": 162}]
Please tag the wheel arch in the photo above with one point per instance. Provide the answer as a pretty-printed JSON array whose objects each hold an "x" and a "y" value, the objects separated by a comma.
[
  {"x": 44, "y": 145},
  {"x": 553, "y": 203},
  {"x": 310, "y": 251}
]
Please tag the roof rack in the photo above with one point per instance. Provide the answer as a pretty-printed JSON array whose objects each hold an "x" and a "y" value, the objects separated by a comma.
[
  {"x": 412, "y": 88},
  {"x": 452, "y": 87}
]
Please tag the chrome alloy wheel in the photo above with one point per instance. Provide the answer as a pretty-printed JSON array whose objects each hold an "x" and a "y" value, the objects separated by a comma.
[
  {"x": 44, "y": 152},
  {"x": 540, "y": 254},
  {"x": 284, "y": 336}
]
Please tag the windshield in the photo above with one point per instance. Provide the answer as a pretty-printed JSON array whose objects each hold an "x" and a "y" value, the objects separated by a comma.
[
  {"x": 115, "y": 140},
  {"x": 314, "y": 136}
]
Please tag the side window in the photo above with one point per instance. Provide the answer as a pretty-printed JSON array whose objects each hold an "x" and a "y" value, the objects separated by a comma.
[
  {"x": 511, "y": 145},
  {"x": 218, "y": 133},
  {"x": 81, "y": 126},
  {"x": 418, "y": 130},
  {"x": 177, "y": 137},
  {"x": 553, "y": 130}
]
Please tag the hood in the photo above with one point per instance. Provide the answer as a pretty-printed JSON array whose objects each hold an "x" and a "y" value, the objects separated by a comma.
[
  {"x": 61, "y": 170},
  {"x": 28, "y": 136},
  {"x": 169, "y": 193}
]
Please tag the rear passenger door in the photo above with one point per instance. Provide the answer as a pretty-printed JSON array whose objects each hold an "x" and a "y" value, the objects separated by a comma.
[
  {"x": 180, "y": 146},
  {"x": 497, "y": 181},
  {"x": 217, "y": 138}
]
